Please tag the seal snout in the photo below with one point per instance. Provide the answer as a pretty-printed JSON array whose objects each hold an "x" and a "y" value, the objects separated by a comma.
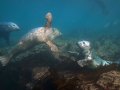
[{"x": 17, "y": 28}]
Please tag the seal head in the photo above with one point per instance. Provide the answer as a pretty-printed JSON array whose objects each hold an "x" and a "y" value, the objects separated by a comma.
[{"x": 13, "y": 27}]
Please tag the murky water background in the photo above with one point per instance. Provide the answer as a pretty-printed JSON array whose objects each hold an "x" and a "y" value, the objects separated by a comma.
[{"x": 75, "y": 18}]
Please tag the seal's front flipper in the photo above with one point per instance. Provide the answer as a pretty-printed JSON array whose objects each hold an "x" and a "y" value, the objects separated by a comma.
[
  {"x": 52, "y": 46},
  {"x": 4, "y": 60},
  {"x": 73, "y": 53}
]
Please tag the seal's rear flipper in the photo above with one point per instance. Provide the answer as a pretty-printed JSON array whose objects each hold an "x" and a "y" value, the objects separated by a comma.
[{"x": 4, "y": 60}]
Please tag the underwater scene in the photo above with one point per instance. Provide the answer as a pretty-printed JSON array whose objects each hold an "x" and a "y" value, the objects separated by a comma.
[{"x": 60, "y": 45}]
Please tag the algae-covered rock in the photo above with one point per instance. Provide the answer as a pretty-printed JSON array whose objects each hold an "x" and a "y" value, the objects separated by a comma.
[
  {"x": 107, "y": 49},
  {"x": 38, "y": 76},
  {"x": 38, "y": 69},
  {"x": 110, "y": 80},
  {"x": 41, "y": 48}
]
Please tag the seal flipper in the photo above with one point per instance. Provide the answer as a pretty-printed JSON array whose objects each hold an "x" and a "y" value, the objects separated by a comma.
[
  {"x": 52, "y": 46},
  {"x": 4, "y": 60}
]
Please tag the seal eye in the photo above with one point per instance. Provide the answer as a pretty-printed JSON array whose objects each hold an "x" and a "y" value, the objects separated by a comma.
[
  {"x": 13, "y": 25},
  {"x": 83, "y": 42}
]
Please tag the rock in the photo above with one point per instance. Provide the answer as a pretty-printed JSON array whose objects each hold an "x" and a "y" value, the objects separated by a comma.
[
  {"x": 107, "y": 49},
  {"x": 38, "y": 69},
  {"x": 89, "y": 87},
  {"x": 110, "y": 80},
  {"x": 42, "y": 79},
  {"x": 41, "y": 48},
  {"x": 72, "y": 81},
  {"x": 39, "y": 73}
]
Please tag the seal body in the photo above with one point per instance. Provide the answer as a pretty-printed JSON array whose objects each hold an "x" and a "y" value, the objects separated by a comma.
[
  {"x": 35, "y": 36},
  {"x": 91, "y": 60},
  {"x": 32, "y": 38},
  {"x": 6, "y": 28},
  {"x": 38, "y": 35}
]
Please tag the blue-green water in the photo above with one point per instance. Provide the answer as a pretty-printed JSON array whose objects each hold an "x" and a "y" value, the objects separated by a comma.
[
  {"x": 95, "y": 20},
  {"x": 75, "y": 18}
]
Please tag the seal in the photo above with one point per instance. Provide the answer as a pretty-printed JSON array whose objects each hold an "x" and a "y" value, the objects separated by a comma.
[
  {"x": 35, "y": 36},
  {"x": 6, "y": 28},
  {"x": 90, "y": 60},
  {"x": 85, "y": 56}
]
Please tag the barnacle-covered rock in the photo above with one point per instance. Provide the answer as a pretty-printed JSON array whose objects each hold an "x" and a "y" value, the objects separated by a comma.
[{"x": 110, "y": 80}]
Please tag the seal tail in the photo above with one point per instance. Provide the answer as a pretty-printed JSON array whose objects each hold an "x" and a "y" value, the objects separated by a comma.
[{"x": 4, "y": 60}]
